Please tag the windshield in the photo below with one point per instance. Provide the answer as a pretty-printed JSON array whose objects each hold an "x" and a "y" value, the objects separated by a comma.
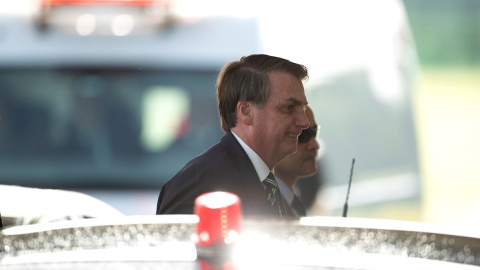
[{"x": 74, "y": 127}]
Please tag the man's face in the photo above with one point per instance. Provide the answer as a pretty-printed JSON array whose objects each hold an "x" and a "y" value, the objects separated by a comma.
[
  {"x": 303, "y": 162},
  {"x": 279, "y": 123}
]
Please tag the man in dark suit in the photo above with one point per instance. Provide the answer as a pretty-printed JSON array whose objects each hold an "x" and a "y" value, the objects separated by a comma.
[
  {"x": 262, "y": 102},
  {"x": 301, "y": 164}
]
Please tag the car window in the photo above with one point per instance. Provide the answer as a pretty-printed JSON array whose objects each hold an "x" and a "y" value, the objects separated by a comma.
[{"x": 74, "y": 127}]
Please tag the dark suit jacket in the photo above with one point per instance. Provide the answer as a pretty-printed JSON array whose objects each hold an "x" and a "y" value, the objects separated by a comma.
[
  {"x": 292, "y": 211},
  {"x": 223, "y": 167}
]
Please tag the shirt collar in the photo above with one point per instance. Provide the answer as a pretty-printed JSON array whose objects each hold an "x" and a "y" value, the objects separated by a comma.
[{"x": 260, "y": 166}]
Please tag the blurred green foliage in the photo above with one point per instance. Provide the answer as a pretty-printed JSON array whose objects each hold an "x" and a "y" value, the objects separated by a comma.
[{"x": 447, "y": 33}]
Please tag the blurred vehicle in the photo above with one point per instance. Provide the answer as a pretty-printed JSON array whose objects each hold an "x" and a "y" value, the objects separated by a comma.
[
  {"x": 104, "y": 17},
  {"x": 97, "y": 98},
  {"x": 165, "y": 242},
  {"x": 24, "y": 206}
]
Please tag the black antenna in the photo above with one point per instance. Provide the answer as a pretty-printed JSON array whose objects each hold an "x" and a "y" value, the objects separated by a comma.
[{"x": 345, "y": 206}]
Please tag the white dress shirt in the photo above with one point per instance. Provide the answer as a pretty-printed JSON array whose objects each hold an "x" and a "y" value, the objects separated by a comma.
[
  {"x": 286, "y": 192},
  {"x": 260, "y": 166}
]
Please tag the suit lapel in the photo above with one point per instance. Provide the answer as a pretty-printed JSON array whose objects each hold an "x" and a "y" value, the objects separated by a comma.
[{"x": 254, "y": 201}]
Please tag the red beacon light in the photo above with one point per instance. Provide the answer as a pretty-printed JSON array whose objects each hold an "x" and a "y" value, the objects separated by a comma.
[{"x": 219, "y": 222}]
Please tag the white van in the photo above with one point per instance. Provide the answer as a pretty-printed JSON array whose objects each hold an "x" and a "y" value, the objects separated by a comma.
[{"x": 100, "y": 99}]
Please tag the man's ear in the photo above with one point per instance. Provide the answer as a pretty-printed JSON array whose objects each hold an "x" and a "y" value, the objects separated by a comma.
[{"x": 244, "y": 109}]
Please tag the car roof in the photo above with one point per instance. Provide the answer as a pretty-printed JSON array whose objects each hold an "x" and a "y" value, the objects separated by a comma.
[
  {"x": 140, "y": 241},
  {"x": 24, "y": 45}
]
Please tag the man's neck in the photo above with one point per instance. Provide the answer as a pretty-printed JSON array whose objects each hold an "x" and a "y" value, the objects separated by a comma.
[{"x": 247, "y": 139}]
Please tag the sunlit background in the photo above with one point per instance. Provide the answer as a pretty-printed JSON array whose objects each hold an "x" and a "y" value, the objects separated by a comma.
[
  {"x": 394, "y": 84},
  {"x": 447, "y": 107}
]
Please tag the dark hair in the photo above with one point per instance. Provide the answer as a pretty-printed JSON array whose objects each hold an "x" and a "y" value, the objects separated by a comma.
[{"x": 247, "y": 79}]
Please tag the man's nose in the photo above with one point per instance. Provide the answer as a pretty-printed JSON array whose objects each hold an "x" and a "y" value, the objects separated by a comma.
[
  {"x": 313, "y": 144},
  {"x": 302, "y": 120}
]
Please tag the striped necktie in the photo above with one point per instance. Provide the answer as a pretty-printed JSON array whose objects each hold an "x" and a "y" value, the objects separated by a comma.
[{"x": 274, "y": 197}]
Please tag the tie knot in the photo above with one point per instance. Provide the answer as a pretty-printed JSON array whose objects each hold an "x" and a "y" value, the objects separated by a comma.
[{"x": 270, "y": 181}]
